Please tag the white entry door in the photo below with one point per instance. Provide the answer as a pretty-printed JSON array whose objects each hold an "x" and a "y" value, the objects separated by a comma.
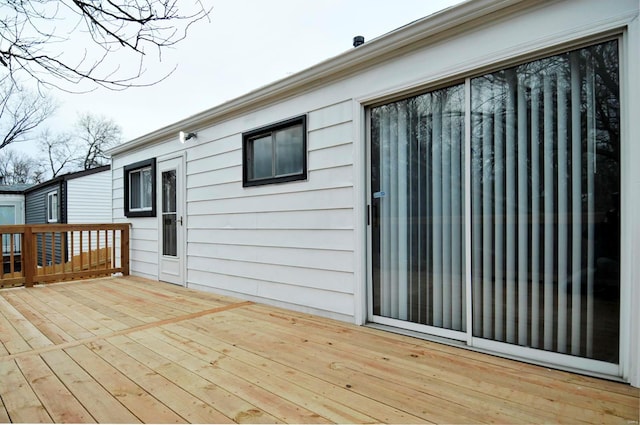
[{"x": 171, "y": 236}]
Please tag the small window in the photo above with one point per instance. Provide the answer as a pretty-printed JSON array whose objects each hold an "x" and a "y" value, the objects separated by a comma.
[
  {"x": 275, "y": 154},
  {"x": 52, "y": 207},
  {"x": 140, "y": 189}
]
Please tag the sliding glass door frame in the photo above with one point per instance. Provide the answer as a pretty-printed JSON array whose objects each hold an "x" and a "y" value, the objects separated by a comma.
[{"x": 534, "y": 355}]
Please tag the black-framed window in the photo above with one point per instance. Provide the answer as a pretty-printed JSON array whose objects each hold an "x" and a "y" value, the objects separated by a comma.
[
  {"x": 276, "y": 153},
  {"x": 140, "y": 189}
]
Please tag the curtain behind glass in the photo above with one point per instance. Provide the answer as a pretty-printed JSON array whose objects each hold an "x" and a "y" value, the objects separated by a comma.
[
  {"x": 418, "y": 191},
  {"x": 545, "y": 203}
]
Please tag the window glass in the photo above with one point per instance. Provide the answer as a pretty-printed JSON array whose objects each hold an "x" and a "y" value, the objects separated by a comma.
[
  {"x": 135, "y": 184},
  {"x": 261, "y": 155},
  {"x": 147, "y": 188},
  {"x": 289, "y": 151},
  {"x": 52, "y": 207}
]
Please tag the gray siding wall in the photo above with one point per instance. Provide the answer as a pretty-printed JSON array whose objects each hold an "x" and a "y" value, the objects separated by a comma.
[{"x": 36, "y": 213}]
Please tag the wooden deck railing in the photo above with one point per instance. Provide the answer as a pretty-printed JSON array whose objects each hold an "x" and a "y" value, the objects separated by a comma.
[{"x": 44, "y": 253}]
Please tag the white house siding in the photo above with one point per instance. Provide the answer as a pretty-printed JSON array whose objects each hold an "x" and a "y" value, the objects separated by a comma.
[
  {"x": 303, "y": 244},
  {"x": 88, "y": 199},
  {"x": 287, "y": 243}
]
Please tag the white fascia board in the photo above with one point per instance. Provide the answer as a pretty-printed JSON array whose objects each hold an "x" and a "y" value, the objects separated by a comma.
[{"x": 438, "y": 26}]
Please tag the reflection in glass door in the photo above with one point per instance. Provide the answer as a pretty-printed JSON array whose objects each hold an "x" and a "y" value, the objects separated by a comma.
[
  {"x": 417, "y": 182},
  {"x": 545, "y": 223},
  {"x": 169, "y": 214}
]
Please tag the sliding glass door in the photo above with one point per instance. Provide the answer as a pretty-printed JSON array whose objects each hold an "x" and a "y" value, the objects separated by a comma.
[{"x": 542, "y": 179}]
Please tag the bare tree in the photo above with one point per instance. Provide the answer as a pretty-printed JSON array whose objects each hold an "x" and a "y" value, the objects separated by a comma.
[
  {"x": 66, "y": 42},
  {"x": 95, "y": 135},
  {"x": 60, "y": 150},
  {"x": 16, "y": 168},
  {"x": 21, "y": 111}
]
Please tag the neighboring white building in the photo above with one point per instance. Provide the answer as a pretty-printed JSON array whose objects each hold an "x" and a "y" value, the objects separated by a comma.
[{"x": 470, "y": 176}]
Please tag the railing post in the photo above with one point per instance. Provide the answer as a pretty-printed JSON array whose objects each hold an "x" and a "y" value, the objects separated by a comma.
[
  {"x": 124, "y": 250},
  {"x": 28, "y": 257}
]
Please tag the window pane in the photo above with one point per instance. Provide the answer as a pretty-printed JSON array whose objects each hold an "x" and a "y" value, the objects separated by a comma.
[
  {"x": 545, "y": 175},
  {"x": 289, "y": 151},
  {"x": 417, "y": 207},
  {"x": 135, "y": 185},
  {"x": 147, "y": 186},
  {"x": 261, "y": 158},
  {"x": 169, "y": 191}
]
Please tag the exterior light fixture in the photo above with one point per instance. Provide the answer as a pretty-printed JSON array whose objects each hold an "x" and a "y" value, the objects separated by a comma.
[{"x": 186, "y": 136}]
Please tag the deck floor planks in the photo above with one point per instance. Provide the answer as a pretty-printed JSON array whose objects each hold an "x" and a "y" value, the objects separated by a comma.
[
  {"x": 27, "y": 331},
  {"x": 181, "y": 402},
  {"x": 472, "y": 374},
  {"x": 59, "y": 313},
  {"x": 54, "y": 395},
  {"x": 82, "y": 310},
  {"x": 428, "y": 378},
  {"x": 42, "y": 318},
  {"x": 161, "y": 353},
  {"x": 140, "y": 403},
  {"x": 274, "y": 404},
  {"x": 20, "y": 401},
  {"x": 431, "y": 406},
  {"x": 310, "y": 400},
  {"x": 109, "y": 306},
  {"x": 103, "y": 407},
  {"x": 12, "y": 341},
  {"x": 182, "y": 336},
  {"x": 183, "y": 370},
  {"x": 4, "y": 415},
  {"x": 189, "y": 300},
  {"x": 535, "y": 374}
]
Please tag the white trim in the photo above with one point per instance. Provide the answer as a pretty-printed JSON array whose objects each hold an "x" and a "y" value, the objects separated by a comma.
[
  {"x": 360, "y": 212},
  {"x": 50, "y": 218},
  {"x": 367, "y": 185},
  {"x": 467, "y": 211},
  {"x": 581, "y": 364},
  {"x": 420, "y": 328},
  {"x": 629, "y": 205}
]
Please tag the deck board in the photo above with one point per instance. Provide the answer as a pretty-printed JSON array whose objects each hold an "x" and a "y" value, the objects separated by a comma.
[{"x": 127, "y": 350}]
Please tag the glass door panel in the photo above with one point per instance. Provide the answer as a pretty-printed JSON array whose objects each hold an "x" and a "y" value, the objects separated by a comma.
[
  {"x": 417, "y": 183},
  {"x": 169, "y": 214},
  {"x": 545, "y": 183}
]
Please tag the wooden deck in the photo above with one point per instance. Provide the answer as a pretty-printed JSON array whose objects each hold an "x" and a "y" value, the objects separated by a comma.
[{"x": 131, "y": 350}]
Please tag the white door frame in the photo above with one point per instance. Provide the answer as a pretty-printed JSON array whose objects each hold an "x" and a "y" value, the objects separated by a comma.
[{"x": 172, "y": 269}]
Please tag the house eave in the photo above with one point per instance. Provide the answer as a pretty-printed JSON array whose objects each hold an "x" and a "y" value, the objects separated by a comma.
[{"x": 437, "y": 26}]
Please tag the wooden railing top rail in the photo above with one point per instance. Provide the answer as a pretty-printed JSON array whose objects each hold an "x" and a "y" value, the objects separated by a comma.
[{"x": 54, "y": 227}]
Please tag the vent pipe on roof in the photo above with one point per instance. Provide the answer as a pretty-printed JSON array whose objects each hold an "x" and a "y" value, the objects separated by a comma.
[{"x": 358, "y": 40}]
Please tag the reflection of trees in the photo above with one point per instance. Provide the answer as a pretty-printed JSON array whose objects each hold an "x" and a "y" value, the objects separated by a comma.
[{"x": 598, "y": 66}]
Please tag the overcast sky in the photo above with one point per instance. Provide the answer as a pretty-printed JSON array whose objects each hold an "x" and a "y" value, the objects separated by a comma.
[{"x": 246, "y": 44}]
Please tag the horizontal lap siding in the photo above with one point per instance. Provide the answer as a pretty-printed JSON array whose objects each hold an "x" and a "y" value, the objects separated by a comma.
[
  {"x": 289, "y": 244},
  {"x": 143, "y": 235},
  {"x": 88, "y": 198}
]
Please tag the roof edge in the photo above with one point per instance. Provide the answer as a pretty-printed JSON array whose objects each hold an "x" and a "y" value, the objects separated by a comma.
[{"x": 440, "y": 23}]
